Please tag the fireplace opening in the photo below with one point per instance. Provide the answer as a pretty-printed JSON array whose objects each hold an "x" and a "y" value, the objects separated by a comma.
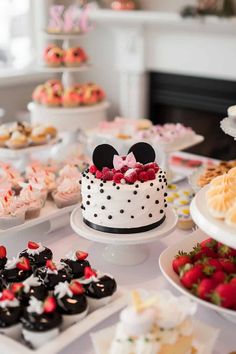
[{"x": 200, "y": 103}]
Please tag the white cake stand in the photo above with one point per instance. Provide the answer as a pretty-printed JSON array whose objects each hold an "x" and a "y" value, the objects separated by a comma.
[
  {"x": 228, "y": 128},
  {"x": 124, "y": 249}
]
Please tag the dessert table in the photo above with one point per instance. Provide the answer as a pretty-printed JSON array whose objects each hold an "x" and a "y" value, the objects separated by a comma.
[{"x": 146, "y": 275}]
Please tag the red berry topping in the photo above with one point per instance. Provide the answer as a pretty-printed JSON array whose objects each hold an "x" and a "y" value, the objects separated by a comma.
[
  {"x": 7, "y": 294},
  {"x": 16, "y": 287},
  {"x": 124, "y": 169},
  {"x": 219, "y": 277},
  {"x": 107, "y": 175},
  {"x": 118, "y": 176},
  {"x": 33, "y": 245},
  {"x": 89, "y": 272},
  {"x": 139, "y": 166},
  {"x": 210, "y": 243},
  {"x": 49, "y": 305},
  {"x": 80, "y": 255},
  {"x": 51, "y": 265},
  {"x": 93, "y": 169},
  {"x": 180, "y": 261},
  {"x": 3, "y": 252},
  {"x": 105, "y": 169},
  {"x": 99, "y": 174},
  {"x": 151, "y": 174},
  {"x": 142, "y": 176},
  {"x": 76, "y": 287},
  {"x": 23, "y": 264},
  {"x": 205, "y": 288},
  {"x": 131, "y": 176}
]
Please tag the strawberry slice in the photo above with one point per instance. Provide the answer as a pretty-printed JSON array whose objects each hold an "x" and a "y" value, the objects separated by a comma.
[
  {"x": 23, "y": 264},
  {"x": 16, "y": 287},
  {"x": 76, "y": 288},
  {"x": 89, "y": 272},
  {"x": 3, "y": 252},
  {"x": 33, "y": 245},
  {"x": 7, "y": 295},
  {"x": 80, "y": 255},
  {"x": 49, "y": 305},
  {"x": 51, "y": 265}
]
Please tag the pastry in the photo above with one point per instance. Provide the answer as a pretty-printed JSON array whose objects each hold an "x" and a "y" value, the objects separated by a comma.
[
  {"x": 53, "y": 56},
  {"x": 12, "y": 211},
  {"x": 38, "y": 93},
  {"x": 230, "y": 217},
  {"x": 93, "y": 94},
  {"x": 70, "y": 98},
  {"x": 10, "y": 312},
  {"x": 99, "y": 288},
  {"x": 52, "y": 98},
  {"x": 148, "y": 325},
  {"x": 54, "y": 84},
  {"x": 185, "y": 221},
  {"x": 75, "y": 57},
  {"x": 72, "y": 302},
  {"x": 77, "y": 262},
  {"x": 67, "y": 193},
  {"x": 4, "y": 135},
  {"x": 69, "y": 171},
  {"x": 124, "y": 194},
  {"x": 17, "y": 141},
  {"x": 51, "y": 131},
  {"x": 41, "y": 322},
  {"x": 17, "y": 270},
  {"x": 39, "y": 135},
  {"x": 31, "y": 197},
  {"x": 37, "y": 254},
  {"x": 214, "y": 171},
  {"x": 54, "y": 273}
]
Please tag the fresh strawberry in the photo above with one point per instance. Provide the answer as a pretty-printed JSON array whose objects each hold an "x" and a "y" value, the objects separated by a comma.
[
  {"x": 23, "y": 264},
  {"x": 200, "y": 252},
  {"x": 80, "y": 255},
  {"x": 131, "y": 176},
  {"x": 191, "y": 275},
  {"x": 16, "y": 287},
  {"x": 213, "y": 263},
  {"x": 181, "y": 259},
  {"x": 7, "y": 294},
  {"x": 107, "y": 175},
  {"x": 33, "y": 245},
  {"x": 142, "y": 176},
  {"x": 151, "y": 174},
  {"x": 205, "y": 289},
  {"x": 139, "y": 166},
  {"x": 233, "y": 281},
  {"x": 219, "y": 276},
  {"x": 210, "y": 243},
  {"x": 50, "y": 265},
  {"x": 118, "y": 176},
  {"x": 93, "y": 169},
  {"x": 89, "y": 272},
  {"x": 228, "y": 265},
  {"x": 225, "y": 251},
  {"x": 224, "y": 295},
  {"x": 3, "y": 252},
  {"x": 99, "y": 174},
  {"x": 49, "y": 305},
  {"x": 76, "y": 288}
]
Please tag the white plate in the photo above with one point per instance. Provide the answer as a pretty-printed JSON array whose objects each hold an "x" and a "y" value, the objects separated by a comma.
[
  {"x": 165, "y": 263},
  {"x": 63, "y": 69},
  {"x": 228, "y": 127},
  {"x": 197, "y": 139},
  {"x": 10, "y": 346},
  {"x": 204, "y": 338},
  {"x": 207, "y": 223}
]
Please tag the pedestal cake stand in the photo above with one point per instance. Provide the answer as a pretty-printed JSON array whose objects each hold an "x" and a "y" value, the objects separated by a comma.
[{"x": 124, "y": 249}]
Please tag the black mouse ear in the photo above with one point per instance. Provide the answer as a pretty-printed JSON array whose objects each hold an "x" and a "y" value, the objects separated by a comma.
[
  {"x": 103, "y": 156},
  {"x": 143, "y": 152}
]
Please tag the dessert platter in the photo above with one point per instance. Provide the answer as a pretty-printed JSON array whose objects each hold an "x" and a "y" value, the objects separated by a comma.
[
  {"x": 147, "y": 325},
  {"x": 47, "y": 304},
  {"x": 124, "y": 203}
]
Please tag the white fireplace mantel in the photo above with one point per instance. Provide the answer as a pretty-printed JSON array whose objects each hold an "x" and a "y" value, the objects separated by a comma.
[{"x": 157, "y": 41}]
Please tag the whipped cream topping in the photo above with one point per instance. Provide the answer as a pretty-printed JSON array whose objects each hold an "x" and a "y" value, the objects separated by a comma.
[
  {"x": 35, "y": 306},
  {"x": 63, "y": 289},
  {"x": 94, "y": 278},
  {"x": 30, "y": 195},
  {"x": 32, "y": 281},
  {"x": 38, "y": 250},
  {"x": 69, "y": 172},
  {"x": 11, "y": 206},
  {"x": 11, "y": 263},
  {"x": 59, "y": 266},
  {"x": 71, "y": 255},
  {"x": 9, "y": 303},
  {"x": 68, "y": 186}
]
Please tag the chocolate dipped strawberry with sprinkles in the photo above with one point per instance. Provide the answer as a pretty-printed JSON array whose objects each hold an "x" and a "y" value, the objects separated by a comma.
[
  {"x": 37, "y": 254},
  {"x": 77, "y": 261},
  {"x": 54, "y": 273},
  {"x": 17, "y": 270}
]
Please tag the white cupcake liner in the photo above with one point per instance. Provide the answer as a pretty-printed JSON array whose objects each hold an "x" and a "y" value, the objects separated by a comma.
[
  {"x": 37, "y": 339},
  {"x": 70, "y": 320},
  {"x": 95, "y": 304}
]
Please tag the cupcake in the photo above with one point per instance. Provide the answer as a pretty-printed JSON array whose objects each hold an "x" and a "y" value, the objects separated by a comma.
[
  {"x": 10, "y": 312},
  {"x": 38, "y": 93},
  {"x": 69, "y": 171},
  {"x": 99, "y": 288},
  {"x": 48, "y": 178},
  {"x": 39, "y": 135},
  {"x": 53, "y": 56},
  {"x": 31, "y": 197},
  {"x": 12, "y": 212},
  {"x": 72, "y": 302},
  {"x": 52, "y": 98},
  {"x": 31, "y": 287},
  {"x": 14, "y": 178},
  {"x": 17, "y": 270},
  {"x": 185, "y": 222},
  {"x": 75, "y": 57},
  {"x": 54, "y": 84},
  {"x": 41, "y": 322},
  {"x": 4, "y": 135},
  {"x": 17, "y": 141},
  {"x": 39, "y": 183},
  {"x": 37, "y": 254},
  {"x": 54, "y": 273},
  {"x": 70, "y": 98},
  {"x": 67, "y": 193},
  {"x": 3, "y": 257},
  {"x": 77, "y": 262}
]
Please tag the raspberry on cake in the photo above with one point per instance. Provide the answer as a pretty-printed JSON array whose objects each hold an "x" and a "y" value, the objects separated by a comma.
[{"x": 124, "y": 194}]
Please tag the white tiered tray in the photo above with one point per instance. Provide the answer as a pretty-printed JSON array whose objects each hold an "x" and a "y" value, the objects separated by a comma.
[
  {"x": 165, "y": 263},
  {"x": 206, "y": 222},
  {"x": 228, "y": 128},
  {"x": 63, "y": 36},
  {"x": 124, "y": 249},
  {"x": 62, "y": 69}
]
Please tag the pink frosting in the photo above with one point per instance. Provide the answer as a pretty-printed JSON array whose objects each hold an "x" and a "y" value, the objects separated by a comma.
[
  {"x": 69, "y": 171},
  {"x": 31, "y": 196},
  {"x": 11, "y": 206},
  {"x": 68, "y": 189}
]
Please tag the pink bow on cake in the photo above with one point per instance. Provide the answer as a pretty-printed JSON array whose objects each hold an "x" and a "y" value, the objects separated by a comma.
[{"x": 119, "y": 161}]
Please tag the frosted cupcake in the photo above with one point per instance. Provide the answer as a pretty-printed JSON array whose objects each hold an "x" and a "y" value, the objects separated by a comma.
[
  {"x": 72, "y": 302},
  {"x": 31, "y": 287},
  {"x": 37, "y": 254},
  {"x": 67, "y": 193},
  {"x": 41, "y": 322},
  {"x": 68, "y": 171},
  {"x": 10, "y": 312},
  {"x": 31, "y": 197},
  {"x": 39, "y": 183},
  {"x": 17, "y": 270},
  {"x": 54, "y": 273},
  {"x": 12, "y": 212}
]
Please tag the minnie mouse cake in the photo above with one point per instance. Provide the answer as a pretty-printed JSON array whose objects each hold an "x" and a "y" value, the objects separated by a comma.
[
  {"x": 77, "y": 262},
  {"x": 37, "y": 254},
  {"x": 124, "y": 194}
]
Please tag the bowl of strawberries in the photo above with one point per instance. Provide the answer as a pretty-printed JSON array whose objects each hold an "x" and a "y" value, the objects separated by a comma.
[{"x": 204, "y": 269}]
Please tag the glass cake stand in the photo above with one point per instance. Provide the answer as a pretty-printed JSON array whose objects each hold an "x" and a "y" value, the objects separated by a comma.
[{"x": 124, "y": 249}]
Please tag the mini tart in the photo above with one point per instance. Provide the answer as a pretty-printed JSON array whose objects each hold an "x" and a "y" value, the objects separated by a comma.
[
  {"x": 31, "y": 287},
  {"x": 54, "y": 56},
  {"x": 53, "y": 274},
  {"x": 75, "y": 57},
  {"x": 17, "y": 270},
  {"x": 4, "y": 135},
  {"x": 10, "y": 312},
  {"x": 38, "y": 93},
  {"x": 17, "y": 141},
  {"x": 77, "y": 262},
  {"x": 41, "y": 322},
  {"x": 72, "y": 302},
  {"x": 38, "y": 136},
  {"x": 99, "y": 288},
  {"x": 3, "y": 257},
  {"x": 37, "y": 254}
]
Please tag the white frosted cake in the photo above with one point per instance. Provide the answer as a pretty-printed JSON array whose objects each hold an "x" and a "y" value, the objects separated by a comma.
[
  {"x": 124, "y": 194},
  {"x": 159, "y": 324}
]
